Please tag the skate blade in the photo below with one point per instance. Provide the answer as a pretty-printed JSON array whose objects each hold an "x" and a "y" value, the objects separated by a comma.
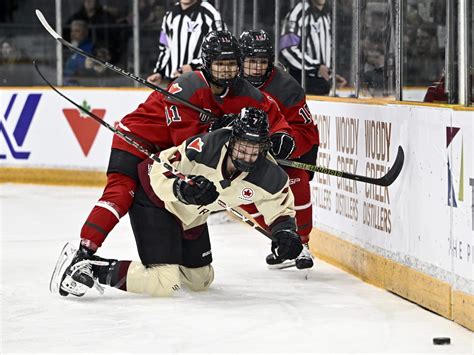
[
  {"x": 284, "y": 265},
  {"x": 64, "y": 259}
]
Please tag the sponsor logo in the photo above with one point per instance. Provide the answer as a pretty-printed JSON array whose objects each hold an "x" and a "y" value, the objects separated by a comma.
[
  {"x": 247, "y": 193},
  {"x": 294, "y": 181},
  {"x": 205, "y": 118},
  {"x": 175, "y": 88},
  {"x": 317, "y": 27},
  {"x": 85, "y": 129},
  {"x": 14, "y": 127},
  {"x": 455, "y": 173},
  {"x": 196, "y": 145},
  {"x": 206, "y": 253},
  {"x": 192, "y": 26}
]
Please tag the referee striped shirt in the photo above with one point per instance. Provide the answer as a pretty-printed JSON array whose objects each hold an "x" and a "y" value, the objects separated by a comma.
[
  {"x": 182, "y": 33},
  {"x": 318, "y": 37}
]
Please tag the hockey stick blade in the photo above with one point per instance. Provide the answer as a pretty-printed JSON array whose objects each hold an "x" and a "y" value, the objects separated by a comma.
[
  {"x": 169, "y": 167},
  {"x": 118, "y": 70},
  {"x": 385, "y": 180}
]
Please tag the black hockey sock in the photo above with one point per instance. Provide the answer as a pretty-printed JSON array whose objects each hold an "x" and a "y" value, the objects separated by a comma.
[{"x": 114, "y": 274}]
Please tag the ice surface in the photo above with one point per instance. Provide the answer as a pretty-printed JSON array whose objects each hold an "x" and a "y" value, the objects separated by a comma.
[{"x": 249, "y": 309}]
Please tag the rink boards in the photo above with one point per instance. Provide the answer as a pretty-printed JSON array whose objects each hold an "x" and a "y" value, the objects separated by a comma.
[{"x": 414, "y": 238}]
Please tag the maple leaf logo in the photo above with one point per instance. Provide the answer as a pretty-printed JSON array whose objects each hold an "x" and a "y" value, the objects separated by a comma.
[
  {"x": 196, "y": 145},
  {"x": 247, "y": 193},
  {"x": 87, "y": 107},
  {"x": 85, "y": 130}
]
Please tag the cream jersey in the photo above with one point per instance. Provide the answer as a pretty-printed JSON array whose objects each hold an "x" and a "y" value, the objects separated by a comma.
[{"x": 266, "y": 185}]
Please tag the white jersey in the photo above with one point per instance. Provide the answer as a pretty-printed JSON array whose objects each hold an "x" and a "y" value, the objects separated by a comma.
[
  {"x": 266, "y": 185},
  {"x": 182, "y": 34}
]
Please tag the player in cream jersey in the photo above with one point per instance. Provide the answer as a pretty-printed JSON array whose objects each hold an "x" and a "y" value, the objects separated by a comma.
[{"x": 168, "y": 214}]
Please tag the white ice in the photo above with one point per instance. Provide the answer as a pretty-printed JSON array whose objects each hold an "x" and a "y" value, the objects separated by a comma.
[{"x": 249, "y": 309}]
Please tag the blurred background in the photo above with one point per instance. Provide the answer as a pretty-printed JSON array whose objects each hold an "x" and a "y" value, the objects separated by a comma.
[{"x": 387, "y": 49}]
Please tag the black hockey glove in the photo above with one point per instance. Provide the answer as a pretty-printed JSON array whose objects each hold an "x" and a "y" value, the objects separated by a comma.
[
  {"x": 282, "y": 145},
  {"x": 201, "y": 192},
  {"x": 287, "y": 245},
  {"x": 225, "y": 121}
]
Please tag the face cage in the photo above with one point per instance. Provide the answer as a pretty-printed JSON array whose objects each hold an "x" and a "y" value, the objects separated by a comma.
[
  {"x": 225, "y": 82},
  {"x": 256, "y": 80},
  {"x": 241, "y": 164}
]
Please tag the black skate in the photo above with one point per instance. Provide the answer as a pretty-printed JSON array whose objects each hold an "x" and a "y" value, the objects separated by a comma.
[{"x": 303, "y": 261}]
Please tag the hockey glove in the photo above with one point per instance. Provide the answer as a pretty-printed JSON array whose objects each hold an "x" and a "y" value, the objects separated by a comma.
[
  {"x": 225, "y": 121},
  {"x": 287, "y": 245},
  {"x": 201, "y": 192},
  {"x": 282, "y": 145}
]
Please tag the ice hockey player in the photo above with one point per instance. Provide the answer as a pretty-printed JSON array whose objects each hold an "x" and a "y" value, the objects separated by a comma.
[
  {"x": 258, "y": 68},
  {"x": 160, "y": 123},
  {"x": 168, "y": 214}
]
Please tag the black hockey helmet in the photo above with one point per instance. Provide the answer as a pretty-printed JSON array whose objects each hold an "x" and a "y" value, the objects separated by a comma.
[
  {"x": 219, "y": 45},
  {"x": 256, "y": 44},
  {"x": 250, "y": 138}
]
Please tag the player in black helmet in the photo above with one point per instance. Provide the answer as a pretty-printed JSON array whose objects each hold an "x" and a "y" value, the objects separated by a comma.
[
  {"x": 221, "y": 58},
  {"x": 168, "y": 214},
  {"x": 161, "y": 122},
  {"x": 257, "y": 66}
]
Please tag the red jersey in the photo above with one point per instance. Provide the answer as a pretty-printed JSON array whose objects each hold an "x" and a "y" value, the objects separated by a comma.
[
  {"x": 165, "y": 122},
  {"x": 291, "y": 100}
]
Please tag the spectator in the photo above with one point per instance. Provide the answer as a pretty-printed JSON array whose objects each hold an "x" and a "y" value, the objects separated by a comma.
[
  {"x": 373, "y": 81},
  {"x": 15, "y": 65},
  {"x": 424, "y": 66},
  {"x": 317, "y": 57},
  {"x": 182, "y": 32},
  {"x": 101, "y": 25},
  {"x": 79, "y": 38}
]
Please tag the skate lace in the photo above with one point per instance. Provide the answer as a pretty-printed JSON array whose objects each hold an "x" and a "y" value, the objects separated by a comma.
[
  {"x": 82, "y": 267},
  {"x": 305, "y": 254}
]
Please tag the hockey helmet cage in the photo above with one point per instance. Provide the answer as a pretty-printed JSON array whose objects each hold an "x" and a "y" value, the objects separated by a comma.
[
  {"x": 249, "y": 129},
  {"x": 219, "y": 45},
  {"x": 256, "y": 44}
]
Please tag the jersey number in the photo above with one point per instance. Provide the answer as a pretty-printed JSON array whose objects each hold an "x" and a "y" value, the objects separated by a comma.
[
  {"x": 172, "y": 114},
  {"x": 306, "y": 114}
]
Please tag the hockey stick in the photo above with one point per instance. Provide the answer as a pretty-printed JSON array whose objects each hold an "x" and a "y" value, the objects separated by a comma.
[
  {"x": 385, "y": 180},
  {"x": 145, "y": 151},
  {"x": 116, "y": 69}
]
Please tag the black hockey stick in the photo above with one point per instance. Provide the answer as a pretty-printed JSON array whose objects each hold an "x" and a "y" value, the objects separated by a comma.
[
  {"x": 385, "y": 180},
  {"x": 116, "y": 69},
  {"x": 145, "y": 151}
]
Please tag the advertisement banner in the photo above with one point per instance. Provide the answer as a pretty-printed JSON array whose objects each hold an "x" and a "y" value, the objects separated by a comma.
[
  {"x": 38, "y": 128},
  {"x": 422, "y": 219}
]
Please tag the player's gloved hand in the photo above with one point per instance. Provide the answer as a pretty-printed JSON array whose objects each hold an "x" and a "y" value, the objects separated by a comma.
[
  {"x": 200, "y": 192},
  {"x": 225, "y": 121},
  {"x": 287, "y": 244},
  {"x": 282, "y": 145}
]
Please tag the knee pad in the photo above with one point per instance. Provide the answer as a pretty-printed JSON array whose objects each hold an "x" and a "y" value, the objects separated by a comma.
[
  {"x": 197, "y": 279},
  {"x": 157, "y": 281}
]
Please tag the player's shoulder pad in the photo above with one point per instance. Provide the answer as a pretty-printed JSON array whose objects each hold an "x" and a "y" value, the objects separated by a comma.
[
  {"x": 186, "y": 85},
  {"x": 285, "y": 88},
  {"x": 269, "y": 176},
  {"x": 206, "y": 148},
  {"x": 243, "y": 88}
]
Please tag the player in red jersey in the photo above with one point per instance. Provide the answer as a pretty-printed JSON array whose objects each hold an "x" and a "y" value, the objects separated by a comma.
[
  {"x": 160, "y": 123},
  {"x": 257, "y": 67}
]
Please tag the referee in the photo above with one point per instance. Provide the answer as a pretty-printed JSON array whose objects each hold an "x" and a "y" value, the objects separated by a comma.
[
  {"x": 182, "y": 32},
  {"x": 317, "y": 57}
]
